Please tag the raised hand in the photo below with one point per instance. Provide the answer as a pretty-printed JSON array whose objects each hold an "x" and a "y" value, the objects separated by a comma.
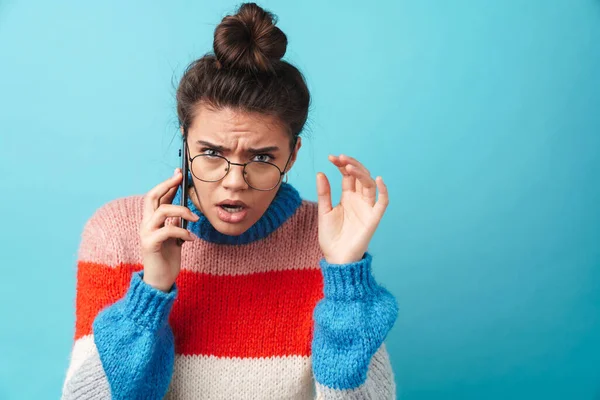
[{"x": 346, "y": 229}]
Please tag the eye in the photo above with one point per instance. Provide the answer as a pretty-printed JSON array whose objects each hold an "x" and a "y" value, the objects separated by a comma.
[
  {"x": 203, "y": 151},
  {"x": 265, "y": 157}
]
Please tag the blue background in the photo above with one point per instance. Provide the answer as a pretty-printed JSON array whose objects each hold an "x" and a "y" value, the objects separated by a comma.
[{"x": 482, "y": 116}]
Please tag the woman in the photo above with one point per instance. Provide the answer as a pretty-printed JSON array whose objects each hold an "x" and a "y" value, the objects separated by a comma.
[{"x": 270, "y": 296}]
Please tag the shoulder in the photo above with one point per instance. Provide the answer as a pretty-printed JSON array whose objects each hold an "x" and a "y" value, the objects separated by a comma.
[
  {"x": 304, "y": 222},
  {"x": 302, "y": 231},
  {"x": 117, "y": 214},
  {"x": 110, "y": 235},
  {"x": 306, "y": 216}
]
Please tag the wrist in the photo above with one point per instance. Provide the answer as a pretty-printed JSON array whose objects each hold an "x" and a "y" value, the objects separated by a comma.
[
  {"x": 345, "y": 259},
  {"x": 147, "y": 306},
  {"x": 160, "y": 284},
  {"x": 349, "y": 281}
]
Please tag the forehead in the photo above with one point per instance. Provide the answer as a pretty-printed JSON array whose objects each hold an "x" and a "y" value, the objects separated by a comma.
[{"x": 228, "y": 124}]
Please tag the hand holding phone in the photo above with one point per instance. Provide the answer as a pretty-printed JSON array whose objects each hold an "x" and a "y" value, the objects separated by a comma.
[{"x": 161, "y": 254}]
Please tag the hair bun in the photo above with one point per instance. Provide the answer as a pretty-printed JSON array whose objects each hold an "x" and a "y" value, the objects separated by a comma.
[{"x": 249, "y": 39}]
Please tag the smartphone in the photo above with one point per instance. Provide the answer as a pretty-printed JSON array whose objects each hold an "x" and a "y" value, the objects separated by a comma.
[
  {"x": 184, "y": 180},
  {"x": 183, "y": 152}
]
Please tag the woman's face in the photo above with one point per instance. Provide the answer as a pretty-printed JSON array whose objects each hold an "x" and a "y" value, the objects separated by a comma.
[{"x": 232, "y": 134}]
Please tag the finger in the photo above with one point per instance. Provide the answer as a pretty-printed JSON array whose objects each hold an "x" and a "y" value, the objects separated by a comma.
[
  {"x": 383, "y": 200},
  {"x": 170, "y": 210},
  {"x": 153, "y": 197},
  {"x": 338, "y": 163},
  {"x": 359, "y": 187},
  {"x": 323, "y": 194},
  {"x": 168, "y": 198},
  {"x": 343, "y": 171},
  {"x": 345, "y": 159},
  {"x": 369, "y": 188},
  {"x": 348, "y": 180},
  {"x": 167, "y": 232},
  {"x": 369, "y": 192}
]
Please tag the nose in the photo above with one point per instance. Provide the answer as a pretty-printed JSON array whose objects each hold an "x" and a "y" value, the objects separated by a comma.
[{"x": 234, "y": 180}]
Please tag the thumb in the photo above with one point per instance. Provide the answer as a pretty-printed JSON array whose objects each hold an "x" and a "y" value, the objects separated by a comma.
[{"x": 323, "y": 193}]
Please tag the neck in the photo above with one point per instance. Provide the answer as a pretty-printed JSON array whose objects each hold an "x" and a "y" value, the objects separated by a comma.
[{"x": 284, "y": 205}]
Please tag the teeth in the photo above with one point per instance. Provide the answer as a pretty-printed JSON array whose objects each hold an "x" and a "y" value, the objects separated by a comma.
[{"x": 232, "y": 209}]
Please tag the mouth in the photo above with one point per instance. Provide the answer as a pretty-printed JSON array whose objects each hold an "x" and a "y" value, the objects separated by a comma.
[
  {"x": 232, "y": 211},
  {"x": 232, "y": 206}
]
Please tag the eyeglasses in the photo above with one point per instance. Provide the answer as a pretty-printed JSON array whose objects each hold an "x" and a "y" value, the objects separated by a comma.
[{"x": 259, "y": 175}]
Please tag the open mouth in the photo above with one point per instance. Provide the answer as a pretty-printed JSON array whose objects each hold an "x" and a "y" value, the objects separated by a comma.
[{"x": 231, "y": 209}]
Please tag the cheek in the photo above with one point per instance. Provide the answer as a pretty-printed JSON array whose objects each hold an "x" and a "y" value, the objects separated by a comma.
[
  {"x": 261, "y": 200},
  {"x": 204, "y": 193}
]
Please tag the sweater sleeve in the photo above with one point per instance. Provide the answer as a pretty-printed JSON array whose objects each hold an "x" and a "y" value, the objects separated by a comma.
[
  {"x": 130, "y": 353},
  {"x": 349, "y": 356},
  {"x": 135, "y": 342}
]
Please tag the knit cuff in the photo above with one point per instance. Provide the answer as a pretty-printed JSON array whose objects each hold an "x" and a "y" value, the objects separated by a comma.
[
  {"x": 350, "y": 281},
  {"x": 147, "y": 306}
]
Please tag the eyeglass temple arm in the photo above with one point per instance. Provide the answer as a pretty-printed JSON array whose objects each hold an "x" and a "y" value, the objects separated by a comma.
[{"x": 290, "y": 157}]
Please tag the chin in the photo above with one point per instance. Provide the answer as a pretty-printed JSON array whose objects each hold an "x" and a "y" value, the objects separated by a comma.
[{"x": 230, "y": 229}]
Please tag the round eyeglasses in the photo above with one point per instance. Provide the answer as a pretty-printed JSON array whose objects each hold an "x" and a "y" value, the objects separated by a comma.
[{"x": 259, "y": 175}]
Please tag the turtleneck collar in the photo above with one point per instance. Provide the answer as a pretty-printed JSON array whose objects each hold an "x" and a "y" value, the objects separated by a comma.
[{"x": 284, "y": 205}]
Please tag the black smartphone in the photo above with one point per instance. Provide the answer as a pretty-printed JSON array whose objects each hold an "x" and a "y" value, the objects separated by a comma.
[
  {"x": 184, "y": 183},
  {"x": 184, "y": 180}
]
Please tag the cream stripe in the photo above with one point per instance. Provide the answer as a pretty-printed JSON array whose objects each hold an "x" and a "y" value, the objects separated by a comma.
[
  {"x": 83, "y": 348},
  {"x": 379, "y": 385},
  {"x": 294, "y": 245},
  {"x": 209, "y": 377}
]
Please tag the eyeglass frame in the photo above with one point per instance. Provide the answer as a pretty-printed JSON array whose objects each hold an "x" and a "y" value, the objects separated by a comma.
[{"x": 229, "y": 164}]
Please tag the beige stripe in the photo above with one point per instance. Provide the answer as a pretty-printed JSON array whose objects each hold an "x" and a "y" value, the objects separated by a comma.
[
  {"x": 83, "y": 348},
  {"x": 379, "y": 385},
  {"x": 209, "y": 377},
  {"x": 111, "y": 237}
]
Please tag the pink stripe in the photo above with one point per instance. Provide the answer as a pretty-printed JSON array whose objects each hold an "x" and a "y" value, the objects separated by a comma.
[{"x": 294, "y": 245}]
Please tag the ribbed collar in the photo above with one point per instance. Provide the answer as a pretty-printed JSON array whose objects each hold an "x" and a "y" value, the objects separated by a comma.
[{"x": 284, "y": 205}]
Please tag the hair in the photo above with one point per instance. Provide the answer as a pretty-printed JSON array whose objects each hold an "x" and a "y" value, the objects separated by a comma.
[{"x": 246, "y": 72}]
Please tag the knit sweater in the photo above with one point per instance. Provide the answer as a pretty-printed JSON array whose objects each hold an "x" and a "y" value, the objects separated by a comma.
[{"x": 261, "y": 315}]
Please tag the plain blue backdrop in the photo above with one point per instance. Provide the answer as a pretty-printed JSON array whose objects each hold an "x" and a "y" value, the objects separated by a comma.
[{"x": 482, "y": 116}]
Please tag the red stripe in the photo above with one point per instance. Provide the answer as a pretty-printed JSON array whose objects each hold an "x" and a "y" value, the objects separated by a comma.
[
  {"x": 97, "y": 287},
  {"x": 258, "y": 315}
]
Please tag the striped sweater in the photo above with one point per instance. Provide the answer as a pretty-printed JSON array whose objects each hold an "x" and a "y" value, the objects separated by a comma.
[{"x": 261, "y": 315}]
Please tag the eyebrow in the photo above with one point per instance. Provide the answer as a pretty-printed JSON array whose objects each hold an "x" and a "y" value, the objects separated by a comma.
[{"x": 250, "y": 150}]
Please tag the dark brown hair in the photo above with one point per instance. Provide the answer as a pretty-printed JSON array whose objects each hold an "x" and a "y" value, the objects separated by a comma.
[{"x": 246, "y": 73}]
